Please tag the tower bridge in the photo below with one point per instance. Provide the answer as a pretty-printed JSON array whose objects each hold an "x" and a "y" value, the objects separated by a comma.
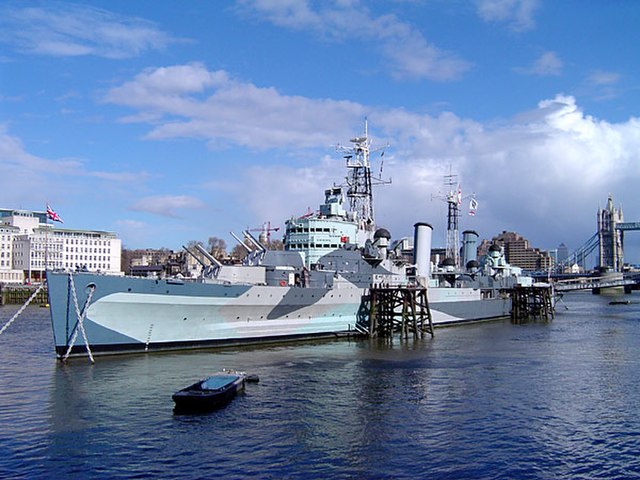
[{"x": 608, "y": 239}]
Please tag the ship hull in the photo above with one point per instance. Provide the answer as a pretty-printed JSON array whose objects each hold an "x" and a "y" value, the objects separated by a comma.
[{"x": 126, "y": 314}]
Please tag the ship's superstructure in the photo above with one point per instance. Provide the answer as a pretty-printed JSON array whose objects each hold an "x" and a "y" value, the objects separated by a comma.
[
  {"x": 315, "y": 287},
  {"x": 317, "y": 235},
  {"x": 346, "y": 218}
]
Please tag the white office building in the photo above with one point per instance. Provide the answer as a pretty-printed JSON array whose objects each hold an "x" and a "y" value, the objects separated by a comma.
[
  {"x": 31, "y": 246},
  {"x": 7, "y": 273}
]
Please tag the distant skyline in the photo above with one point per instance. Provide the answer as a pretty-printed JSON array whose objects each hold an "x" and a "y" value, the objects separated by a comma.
[{"x": 169, "y": 121}]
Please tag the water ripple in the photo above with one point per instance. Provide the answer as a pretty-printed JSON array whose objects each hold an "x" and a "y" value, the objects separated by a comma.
[{"x": 491, "y": 401}]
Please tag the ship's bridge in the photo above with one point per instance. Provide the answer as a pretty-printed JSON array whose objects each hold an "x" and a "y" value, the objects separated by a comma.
[{"x": 315, "y": 237}]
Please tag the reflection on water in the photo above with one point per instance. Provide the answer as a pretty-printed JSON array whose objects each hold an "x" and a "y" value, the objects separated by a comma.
[{"x": 495, "y": 400}]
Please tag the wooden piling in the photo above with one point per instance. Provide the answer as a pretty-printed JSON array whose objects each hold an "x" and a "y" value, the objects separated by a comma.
[
  {"x": 403, "y": 310},
  {"x": 531, "y": 303}
]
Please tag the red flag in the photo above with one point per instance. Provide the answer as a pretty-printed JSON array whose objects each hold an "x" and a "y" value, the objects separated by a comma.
[{"x": 53, "y": 215}]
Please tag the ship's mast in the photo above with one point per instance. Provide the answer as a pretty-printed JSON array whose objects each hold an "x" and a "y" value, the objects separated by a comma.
[
  {"x": 360, "y": 181},
  {"x": 454, "y": 199}
]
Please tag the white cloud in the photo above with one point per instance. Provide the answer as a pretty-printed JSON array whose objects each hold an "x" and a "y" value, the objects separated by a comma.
[
  {"x": 133, "y": 224},
  {"x": 14, "y": 159},
  {"x": 121, "y": 177},
  {"x": 296, "y": 14},
  {"x": 166, "y": 205},
  {"x": 135, "y": 232},
  {"x": 170, "y": 81},
  {"x": 224, "y": 111},
  {"x": 408, "y": 53},
  {"x": 518, "y": 14},
  {"x": 542, "y": 173},
  {"x": 24, "y": 173},
  {"x": 600, "y": 77},
  {"x": 602, "y": 85},
  {"x": 29, "y": 173},
  {"x": 272, "y": 189},
  {"x": 71, "y": 29},
  {"x": 547, "y": 64}
]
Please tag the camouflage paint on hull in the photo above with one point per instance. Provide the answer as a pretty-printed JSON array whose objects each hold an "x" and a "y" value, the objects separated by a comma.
[{"x": 137, "y": 314}]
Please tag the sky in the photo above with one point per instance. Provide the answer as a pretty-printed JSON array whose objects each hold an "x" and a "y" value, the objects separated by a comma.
[{"x": 171, "y": 121}]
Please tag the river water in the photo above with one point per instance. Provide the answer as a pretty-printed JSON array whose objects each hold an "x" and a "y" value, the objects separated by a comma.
[{"x": 485, "y": 401}]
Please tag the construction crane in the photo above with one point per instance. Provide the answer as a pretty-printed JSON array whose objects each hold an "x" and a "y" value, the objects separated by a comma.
[{"x": 265, "y": 232}]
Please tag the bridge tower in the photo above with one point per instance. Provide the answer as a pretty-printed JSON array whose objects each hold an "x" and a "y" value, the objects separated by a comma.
[{"x": 610, "y": 237}]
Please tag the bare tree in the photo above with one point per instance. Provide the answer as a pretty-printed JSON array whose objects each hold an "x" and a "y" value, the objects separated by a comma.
[
  {"x": 238, "y": 253},
  {"x": 276, "y": 245},
  {"x": 217, "y": 247},
  {"x": 191, "y": 245}
]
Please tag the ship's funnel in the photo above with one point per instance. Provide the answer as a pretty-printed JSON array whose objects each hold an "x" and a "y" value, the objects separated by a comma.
[
  {"x": 469, "y": 250},
  {"x": 422, "y": 249}
]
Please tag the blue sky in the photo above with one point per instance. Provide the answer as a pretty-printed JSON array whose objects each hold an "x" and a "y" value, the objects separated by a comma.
[{"x": 171, "y": 121}]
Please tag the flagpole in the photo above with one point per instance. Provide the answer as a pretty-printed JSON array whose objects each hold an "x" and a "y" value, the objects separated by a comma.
[
  {"x": 46, "y": 246},
  {"x": 51, "y": 214}
]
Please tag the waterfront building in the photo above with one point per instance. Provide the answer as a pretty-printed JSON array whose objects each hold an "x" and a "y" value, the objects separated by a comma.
[
  {"x": 31, "y": 246},
  {"x": 151, "y": 256},
  {"x": 7, "y": 273},
  {"x": 154, "y": 271},
  {"x": 160, "y": 262},
  {"x": 518, "y": 252}
]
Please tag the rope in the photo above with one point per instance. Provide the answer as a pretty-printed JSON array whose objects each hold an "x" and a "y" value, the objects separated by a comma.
[
  {"x": 81, "y": 317},
  {"x": 6, "y": 325}
]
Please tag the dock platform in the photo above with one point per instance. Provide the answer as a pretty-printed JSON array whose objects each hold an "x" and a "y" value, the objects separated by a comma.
[{"x": 11, "y": 294}]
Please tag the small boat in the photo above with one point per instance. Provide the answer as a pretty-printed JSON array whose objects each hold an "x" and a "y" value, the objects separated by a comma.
[
  {"x": 208, "y": 394},
  {"x": 620, "y": 302}
]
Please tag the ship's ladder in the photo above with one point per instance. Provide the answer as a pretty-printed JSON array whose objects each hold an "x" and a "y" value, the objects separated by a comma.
[
  {"x": 22, "y": 309},
  {"x": 80, "y": 319}
]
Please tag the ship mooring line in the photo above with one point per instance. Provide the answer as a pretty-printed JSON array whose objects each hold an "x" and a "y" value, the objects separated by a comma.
[
  {"x": 17, "y": 314},
  {"x": 81, "y": 317}
]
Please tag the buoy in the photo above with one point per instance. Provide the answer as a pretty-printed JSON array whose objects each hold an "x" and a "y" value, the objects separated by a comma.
[{"x": 283, "y": 283}]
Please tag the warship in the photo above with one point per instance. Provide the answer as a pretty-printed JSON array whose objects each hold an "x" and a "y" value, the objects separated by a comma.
[{"x": 315, "y": 287}]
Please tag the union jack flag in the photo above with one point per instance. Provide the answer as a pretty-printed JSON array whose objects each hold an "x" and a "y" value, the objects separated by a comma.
[{"x": 53, "y": 215}]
